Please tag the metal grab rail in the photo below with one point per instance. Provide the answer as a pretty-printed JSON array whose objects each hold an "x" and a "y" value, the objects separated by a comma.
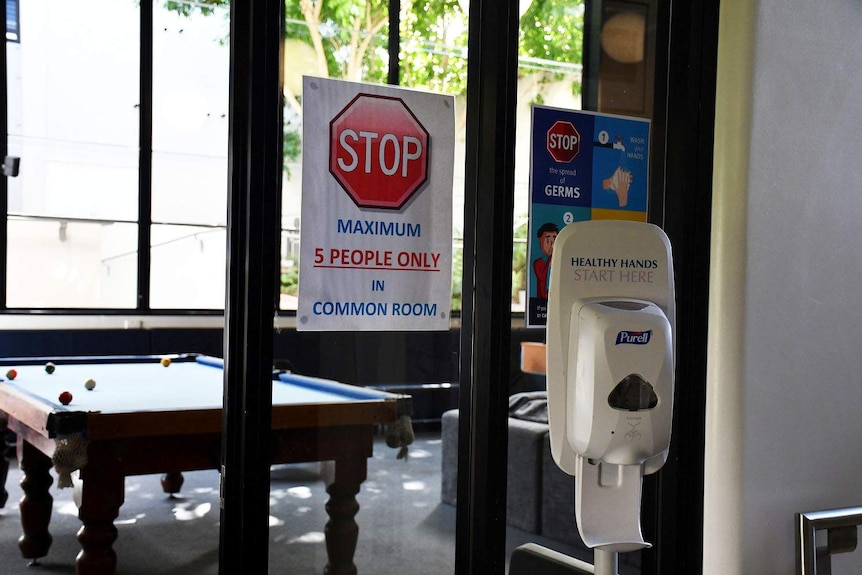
[{"x": 840, "y": 526}]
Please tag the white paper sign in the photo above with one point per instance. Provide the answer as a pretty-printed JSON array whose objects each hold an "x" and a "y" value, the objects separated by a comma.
[{"x": 377, "y": 168}]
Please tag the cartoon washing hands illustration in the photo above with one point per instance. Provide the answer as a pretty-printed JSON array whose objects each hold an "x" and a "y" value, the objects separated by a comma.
[{"x": 619, "y": 182}]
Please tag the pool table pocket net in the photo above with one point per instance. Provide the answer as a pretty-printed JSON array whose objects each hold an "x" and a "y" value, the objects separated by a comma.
[{"x": 70, "y": 455}]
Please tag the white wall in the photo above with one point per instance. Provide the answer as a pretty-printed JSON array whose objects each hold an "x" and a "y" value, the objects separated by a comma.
[{"x": 784, "y": 402}]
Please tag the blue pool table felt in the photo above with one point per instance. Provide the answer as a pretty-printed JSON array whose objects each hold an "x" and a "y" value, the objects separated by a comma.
[{"x": 187, "y": 385}]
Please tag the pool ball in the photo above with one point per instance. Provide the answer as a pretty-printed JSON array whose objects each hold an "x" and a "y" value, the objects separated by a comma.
[
  {"x": 166, "y": 361},
  {"x": 90, "y": 384},
  {"x": 65, "y": 398},
  {"x": 50, "y": 367},
  {"x": 11, "y": 374}
]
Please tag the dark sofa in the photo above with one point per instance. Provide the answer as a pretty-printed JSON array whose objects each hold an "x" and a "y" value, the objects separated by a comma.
[{"x": 539, "y": 496}]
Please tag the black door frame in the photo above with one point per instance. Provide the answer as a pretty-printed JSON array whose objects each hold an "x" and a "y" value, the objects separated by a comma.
[
  {"x": 253, "y": 228},
  {"x": 486, "y": 316},
  {"x": 684, "y": 210}
]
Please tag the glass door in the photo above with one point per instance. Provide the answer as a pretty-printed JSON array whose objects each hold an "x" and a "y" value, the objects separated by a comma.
[
  {"x": 403, "y": 521},
  {"x": 596, "y": 56},
  {"x": 117, "y": 197}
]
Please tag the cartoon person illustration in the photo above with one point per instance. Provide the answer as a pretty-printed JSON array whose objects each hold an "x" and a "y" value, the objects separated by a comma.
[{"x": 546, "y": 235}]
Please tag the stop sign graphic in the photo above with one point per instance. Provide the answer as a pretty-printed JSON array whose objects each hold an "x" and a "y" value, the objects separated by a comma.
[
  {"x": 378, "y": 151},
  {"x": 564, "y": 141}
]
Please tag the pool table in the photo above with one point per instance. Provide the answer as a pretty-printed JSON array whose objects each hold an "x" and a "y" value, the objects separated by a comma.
[{"x": 143, "y": 417}]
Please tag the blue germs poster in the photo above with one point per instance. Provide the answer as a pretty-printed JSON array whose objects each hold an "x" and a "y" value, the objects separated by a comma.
[{"x": 583, "y": 166}]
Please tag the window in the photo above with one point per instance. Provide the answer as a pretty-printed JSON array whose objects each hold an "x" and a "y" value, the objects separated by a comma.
[
  {"x": 73, "y": 119},
  {"x": 75, "y": 112},
  {"x": 73, "y": 218},
  {"x": 191, "y": 67}
]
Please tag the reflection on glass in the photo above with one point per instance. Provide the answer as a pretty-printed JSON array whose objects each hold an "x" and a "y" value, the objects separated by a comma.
[
  {"x": 56, "y": 263},
  {"x": 621, "y": 68},
  {"x": 188, "y": 267}
]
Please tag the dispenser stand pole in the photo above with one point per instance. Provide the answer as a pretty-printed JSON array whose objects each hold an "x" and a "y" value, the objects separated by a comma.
[{"x": 605, "y": 562}]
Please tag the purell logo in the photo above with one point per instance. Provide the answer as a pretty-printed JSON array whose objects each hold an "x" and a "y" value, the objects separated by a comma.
[{"x": 634, "y": 337}]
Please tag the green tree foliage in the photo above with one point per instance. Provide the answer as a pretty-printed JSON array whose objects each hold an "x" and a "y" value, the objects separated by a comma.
[
  {"x": 349, "y": 39},
  {"x": 553, "y": 31},
  {"x": 207, "y": 8},
  {"x": 434, "y": 46}
]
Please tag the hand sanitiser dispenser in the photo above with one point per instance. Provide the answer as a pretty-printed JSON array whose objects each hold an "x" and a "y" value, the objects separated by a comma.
[{"x": 610, "y": 371}]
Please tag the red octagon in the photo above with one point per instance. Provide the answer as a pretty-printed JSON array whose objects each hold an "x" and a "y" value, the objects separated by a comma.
[
  {"x": 378, "y": 151},
  {"x": 563, "y": 142}
]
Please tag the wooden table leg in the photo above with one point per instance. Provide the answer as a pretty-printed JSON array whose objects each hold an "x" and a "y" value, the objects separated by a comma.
[
  {"x": 4, "y": 461},
  {"x": 102, "y": 495},
  {"x": 172, "y": 482},
  {"x": 4, "y": 473},
  {"x": 37, "y": 503},
  {"x": 341, "y": 530}
]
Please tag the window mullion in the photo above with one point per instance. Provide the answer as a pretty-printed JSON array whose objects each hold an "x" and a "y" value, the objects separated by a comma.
[{"x": 145, "y": 158}]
